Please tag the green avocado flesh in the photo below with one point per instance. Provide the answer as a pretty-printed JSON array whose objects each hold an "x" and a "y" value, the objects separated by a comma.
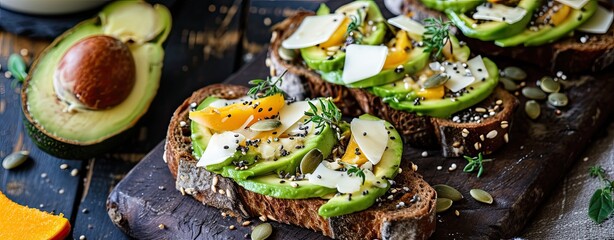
[
  {"x": 453, "y": 5},
  {"x": 85, "y": 133},
  {"x": 263, "y": 176},
  {"x": 548, "y": 34},
  {"x": 492, "y": 30},
  {"x": 400, "y": 97}
]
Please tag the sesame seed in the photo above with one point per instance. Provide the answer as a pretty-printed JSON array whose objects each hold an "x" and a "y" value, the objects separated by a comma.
[
  {"x": 232, "y": 227},
  {"x": 63, "y": 166},
  {"x": 425, "y": 154},
  {"x": 161, "y": 226}
]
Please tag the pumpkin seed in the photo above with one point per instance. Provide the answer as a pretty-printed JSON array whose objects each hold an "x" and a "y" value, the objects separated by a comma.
[
  {"x": 558, "y": 99},
  {"x": 311, "y": 160},
  {"x": 549, "y": 85},
  {"x": 435, "y": 81},
  {"x": 262, "y": 231},
  {"x": 532, "y": 109},
  {"x": 533, "y": 93},
  {"x": 15, "y": 159},
  {"x": 445, "y": 191},
  {"x": 443, "y": 204},
  {"x": 286, "y": 54},
  {"x": 514, "y": 73},
  {"x": 265, "y": 125},
  {"x": 481, "y": 196},
  {"x": 508, "y": 84}
]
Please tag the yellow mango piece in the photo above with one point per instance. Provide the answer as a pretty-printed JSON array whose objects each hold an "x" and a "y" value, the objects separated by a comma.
[
  {"x": 398, "y": 54},
  {"x": 432, "y": 93},
  {"x": 350, "y": 154},
  {"x": 21, "y": 222},
  {"x": 560, "y": 16},
  {"x": 338, "y": 36},
  {"x": 236, "y": 115}
]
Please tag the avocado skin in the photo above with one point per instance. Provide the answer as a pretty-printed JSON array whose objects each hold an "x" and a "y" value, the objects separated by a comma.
[
  {"x": 66, "y": 148},
  {"x": 454, "y": 5},
  {"x": 550, "y": 34},
  {"x": 493, "y": 30}
]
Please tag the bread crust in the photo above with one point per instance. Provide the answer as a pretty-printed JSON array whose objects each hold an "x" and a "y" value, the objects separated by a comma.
[{"x": 384, "y": 220}]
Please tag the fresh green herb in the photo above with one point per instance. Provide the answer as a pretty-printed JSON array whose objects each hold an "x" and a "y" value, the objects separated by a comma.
[
  {"x": 327, "y": 114},
  {"x": 354, "y": 26},
  {"x": 358, "y": 172},
  {"x": 264, "y": 88},
  {"x": 17, "y": 67},
  {"x": 601, "y": 205},
  {"x": 436, "y": 35},
  {"x": 475, "y": 162}
]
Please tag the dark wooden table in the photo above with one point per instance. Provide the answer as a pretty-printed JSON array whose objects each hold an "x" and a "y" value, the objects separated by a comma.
[{"x": 210, "y": 40}]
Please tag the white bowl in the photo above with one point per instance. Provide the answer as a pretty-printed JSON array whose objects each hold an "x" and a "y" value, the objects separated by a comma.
[{"x": 50, "y": 7}]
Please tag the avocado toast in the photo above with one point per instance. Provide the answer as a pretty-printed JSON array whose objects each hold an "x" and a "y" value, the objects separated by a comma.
[
  {"x": 572, "y": 36},
  {"x": 293, "y": 184},
  {"x": 399, "y": 94}
]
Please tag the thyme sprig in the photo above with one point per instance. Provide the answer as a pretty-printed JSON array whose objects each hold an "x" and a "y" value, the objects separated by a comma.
[
  {"x": 601, "y": 205},
  {"x": 328, "y": 114},
  {"x": 264, "y": 88},
  {"x": 358, "y": 172},
  {"x": 436, "y": 35},
  {"x": 474, "y": 162},
  {"x": 354, "y": 26}
]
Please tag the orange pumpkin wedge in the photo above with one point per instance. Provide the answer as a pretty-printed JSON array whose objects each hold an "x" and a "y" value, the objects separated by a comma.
[
  {"x": 21, "y": 222},
  {"x": 338, "y": 36},
  {"x": 235, "y": 116},
  {"x": 350, "y": 156},
  {"x": 432, "y": 93},
  {"x": 398, "y": 53}
]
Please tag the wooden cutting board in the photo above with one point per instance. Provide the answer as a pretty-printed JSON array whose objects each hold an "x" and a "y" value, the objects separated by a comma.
[{"x": 522, "y": 175}]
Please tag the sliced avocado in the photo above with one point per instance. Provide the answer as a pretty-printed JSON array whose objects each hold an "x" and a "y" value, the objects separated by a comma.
[
  {"x": 318, "y": 58},
  {"x": 444, "y": 108},
  {"x": 272, "y": 185},
  {"x": 323, "y": 141},
  {"x": 417, "y": 60},
  {"x": 454, "y": 5},
  {"x": 85, "y": 133},
  {"x": 492, "y": 30},
  {"x": 387, "y": 168},
  {"x": 548, "y": 34}
]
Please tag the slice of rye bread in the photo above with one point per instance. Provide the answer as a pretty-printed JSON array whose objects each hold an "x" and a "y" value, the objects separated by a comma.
[
  {"x": 419, "y": 131},
  {"x": 384, "y": 220},
  {"x": 568, "y": 54}
]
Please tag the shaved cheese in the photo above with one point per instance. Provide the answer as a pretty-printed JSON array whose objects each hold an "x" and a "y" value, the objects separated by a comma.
[
  {"x": 363, "y": 61},
  {"x": 477, "y": 68},
  {"x": 371, "y": 178},
  {"x": 329, "y": 178},
  {"x": 373, "y": 143},
  {"x": 499, "y": 13},
  {"x": 436, "y": 66},
  {"x": 407, "y": 24},
  {"x": 460, "y": 77},
  {"x": 290, "y": 114},
  {"x": 599, "y": 23},
  {"x": 221, "y": 146},
  {"x": 313, "y": 30},
  {"x": 577, "y": 4}
]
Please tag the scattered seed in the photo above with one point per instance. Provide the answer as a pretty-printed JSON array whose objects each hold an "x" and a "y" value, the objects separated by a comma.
[
  {"x": 480, "y": 109},
  {"x": 232, "y": 227},
  {"x": 508, "y": 84},
  {"x": 262, "y": 231},
  {"x": 246, "y": 223},
  {"x": 311, "y": 160},
  {"x": 82, "y": 237},
  {"x": 400, "y": 170},
  {"x": 465, "y": 132},
  {"x": 263, "y": 218},
  {"x": 452, "y": 167},
  {"x": 425, "y": 154},
  {"x": 439, "y": 168},
  {"x": 492, "y": 134},
  {"x": 506, "y": 138},
  {"x": 558, "y": 99},
  {"x": 499, "y": 102},
  {"x": 15, "y": 159},
  {"x": 457, "y": 213},
  {"x": 265, "y": 125},
  {"x": 477, "y": 145},
  {"x": 585, "y": 159},
  {"x": 74, "y": 172},
  {"x": 63, "y": 166},
  {"x": 482, "y": 137},
  {"x": 514, "y": 73},
  {"x": 549, "y": 85},
  {"x": 533, "y": 93},
  {"x": 8, "y": 74},
  {"x": 481, "y": 196},
  {"x": 224, "y": 214},
  {"x": 414, "y": 167},
  {"x": 445, "y": 191},
  {"x": 532, "y": 109},
  {"x": 43, "y": 175},
  {"x": 61, "y": 191},
  {"x": 442, "y": 204},
  {"x": 23, "y": 52},
  {"x": 435, "y": 81},
  {"x": 161, "y": 226},
  {"x": 504, "y": 124}
]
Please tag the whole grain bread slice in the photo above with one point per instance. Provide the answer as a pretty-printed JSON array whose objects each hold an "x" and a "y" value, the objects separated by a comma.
[
  {"x": 418, "y": 131},
  {"x": 578, "y": 53},
  {"x": 384, "y": 220}
]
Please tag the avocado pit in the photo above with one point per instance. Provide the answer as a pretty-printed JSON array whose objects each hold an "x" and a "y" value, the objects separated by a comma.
[{"x": 95, "y": 73}]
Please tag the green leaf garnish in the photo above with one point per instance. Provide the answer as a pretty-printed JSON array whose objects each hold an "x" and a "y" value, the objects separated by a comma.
[
  {"x": 436, "y": 35},
  {"x": 358, "y": 172},
  {"x": 601, "y": 205},
  {"x": 328, "y": 114},
  {"x": 474, "y": 162},
  {"x": 264, "y": 88},
  {"x": 323, "y": 10}
]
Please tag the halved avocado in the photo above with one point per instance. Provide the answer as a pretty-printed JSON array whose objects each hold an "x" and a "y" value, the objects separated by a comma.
[{"x": 66, "y": 133}]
